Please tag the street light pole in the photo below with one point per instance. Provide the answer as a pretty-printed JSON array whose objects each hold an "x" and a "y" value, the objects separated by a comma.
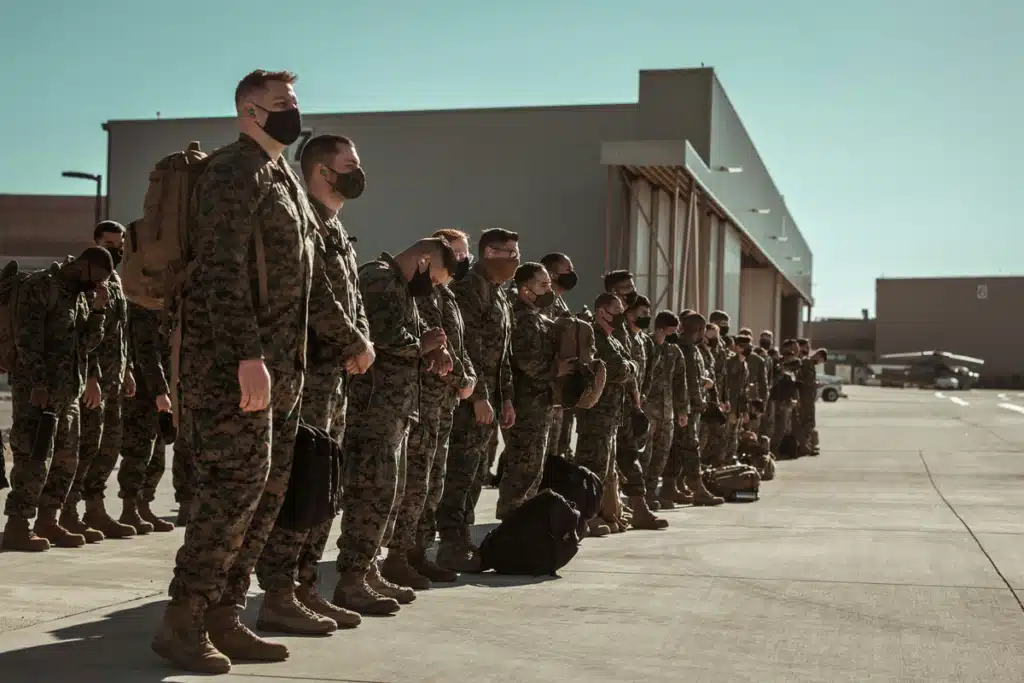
[{"x": 98, "y": 179}]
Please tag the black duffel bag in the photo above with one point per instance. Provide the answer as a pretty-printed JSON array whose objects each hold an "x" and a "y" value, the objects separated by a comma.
[
  {"x": 314, "y": 489},
  {"x": 536, "y": 539},
  {"x": 575, "y": 483}
]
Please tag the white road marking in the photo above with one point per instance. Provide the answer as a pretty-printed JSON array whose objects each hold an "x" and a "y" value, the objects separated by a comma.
[
  {"x": 939, "y": 394},
  {"x": 1013, "y": 407},
  {"x": 1004, "y": 397},
  {"x": 959, "y": 401}
]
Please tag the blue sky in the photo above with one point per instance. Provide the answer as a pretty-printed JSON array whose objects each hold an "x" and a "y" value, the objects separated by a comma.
[{"x": 893, "y": 127}]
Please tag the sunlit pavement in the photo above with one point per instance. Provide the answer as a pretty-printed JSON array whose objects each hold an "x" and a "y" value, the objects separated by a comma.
[{"x": 893, "y": 556}]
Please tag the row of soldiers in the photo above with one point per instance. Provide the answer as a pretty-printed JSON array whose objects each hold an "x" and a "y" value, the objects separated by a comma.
[{"x": 414, "y": 362}]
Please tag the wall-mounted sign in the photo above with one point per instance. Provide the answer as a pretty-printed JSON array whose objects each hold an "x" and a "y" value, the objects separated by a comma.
[{"x": 982, "y": 291}]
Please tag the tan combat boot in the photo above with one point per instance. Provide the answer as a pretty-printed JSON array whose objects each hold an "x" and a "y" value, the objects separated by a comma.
[
  {"x": 18, "y": 536},
  {"x": 701, "y": 496},
  {"x": 397, "y": 569},
  {"x": 683, "y": 494},
  {"x": 401, "y": 594},
  {"x": 49, "y": 528},
  {"x": 597, "y": 528},
  {"x": 70, "y": 520},
  {"x": 353, "y": 592},
  {"x": 229, "y": 635},
  {"x": 667, "y": 495},
  {"x": 456, "y": 553},
  {"x": 317, "y": 603},
  {"x": 147, "y": 515},
  {"x": 435, "y": 573},
  {"x": 182, "y": 640},
  {"x": 653, "y": 504},
  {"x": 96, "y": 517},
  {"x": 282, "y": 613},
  {"x": 643, "y": 518},
  {"x": 130, "y": 516}
]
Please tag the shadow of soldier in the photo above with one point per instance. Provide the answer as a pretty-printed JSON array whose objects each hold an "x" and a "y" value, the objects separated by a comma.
[{"x": 113, "y": 649}]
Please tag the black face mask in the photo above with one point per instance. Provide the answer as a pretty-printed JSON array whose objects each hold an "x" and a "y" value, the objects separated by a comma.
[
  {"x": 765, "y": 344},
  {"x": 421, "y": 284},
  {"x": 283, "y": 126},
  {"x": 672, "y": 338},
  {"x": 462, "y": 269},
  {"x": 630, "y": 298},
  {"x": 116, "y": 255},
  {"x": 724, "y": 329},
  {"x": 349, "y": 185},
  {"x": 544, "y": 300},
  {"x": 567, "y": 280},
  {"x": 619, "y": 320},
  {"x": 643, "y": 322}
]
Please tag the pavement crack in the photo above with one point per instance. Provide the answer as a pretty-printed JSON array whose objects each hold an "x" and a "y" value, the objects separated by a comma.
[{"x": 967, "y": 526}]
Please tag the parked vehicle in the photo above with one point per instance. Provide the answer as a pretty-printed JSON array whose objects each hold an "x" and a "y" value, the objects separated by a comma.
[{"x": 830, "y": 388}]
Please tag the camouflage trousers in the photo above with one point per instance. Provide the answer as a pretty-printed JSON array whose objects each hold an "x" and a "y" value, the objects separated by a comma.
[
  {"x": 525, "y": 447},
  {"x": 142, "y": 450},
  {"x": 243, "y": 463},
  {"x": 471, "y": 452},
  {"x": 375, "y": 469},
  {"x": 767, "y": 420},
  {"x": 411, "y": 500},
  {"x": 596, "y": 440},
  {"x": 427, "y": 526},
  {"x": 627, "y": 457},
  {"x": 40, "y": 482},
  {"x": 99, "y": 444},
  {"x": 685, "y": 454},
  {"x": 656, "y": 455},
  {"x": 292, "y": 555},
  {"x": 713, "y": 439},
  {"x": 565, "y": 429},
  {"x": 732, "y": 439},
  {"x": 805, "y": 423},
  {"x": 781, "y": 423}
]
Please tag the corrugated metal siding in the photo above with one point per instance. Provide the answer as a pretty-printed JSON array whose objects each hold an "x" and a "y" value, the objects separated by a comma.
[{"x": 978, "y": 317}]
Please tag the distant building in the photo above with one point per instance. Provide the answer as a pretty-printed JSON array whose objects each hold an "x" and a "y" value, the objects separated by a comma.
[
  {"x": 36, "y": 230},
  {"x": 670, "y": 186}
]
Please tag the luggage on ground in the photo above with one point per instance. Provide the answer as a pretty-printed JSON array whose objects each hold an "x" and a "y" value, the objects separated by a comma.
[{"x": 536, "y": 539}]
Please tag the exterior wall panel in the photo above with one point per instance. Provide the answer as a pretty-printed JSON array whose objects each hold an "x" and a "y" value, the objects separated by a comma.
[
  {"x": 757, "y": 300},
  {"x": 732, "y": 256}
]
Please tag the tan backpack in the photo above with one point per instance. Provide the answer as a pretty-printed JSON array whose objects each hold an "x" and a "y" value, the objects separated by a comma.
[
  {"x": 12, "y": 278},
  {"x": 156, "y": 269},
  {"x": 583, "y": 388}
]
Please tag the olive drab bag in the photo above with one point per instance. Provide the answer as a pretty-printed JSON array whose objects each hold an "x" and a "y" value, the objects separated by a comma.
[
  {"x": 583, "y": 388},
  {"x": 735, "y": 483},
  {"x": 11, "y": 280}
]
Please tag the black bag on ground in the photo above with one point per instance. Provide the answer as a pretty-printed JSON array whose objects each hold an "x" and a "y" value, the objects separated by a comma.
[
  {"x": 536, "y": 539},
  {"x": 314, "y": 489},
  {"x": 788, "y": 447},
  {"x": 575, "y": 483}
]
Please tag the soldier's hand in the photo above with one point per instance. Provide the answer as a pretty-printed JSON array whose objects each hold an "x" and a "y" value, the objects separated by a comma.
[
  {"x": 440, "y": 362},
  {"x": 508, "y": 415},
  {"x": 129, "y": 385},
  {"x": 432, "y": 339},
  {"x": 102, "y": 296},
  {"x": 91, "y": 398},
  {"x": 708, "y": 383},
  {"x": 682, "y": 419},
  {"x": 566, "y": 366},
  {"x": 39, "y": 397},
  {"x": 254, "y": 384},
  {"x": 358, "y": 365},
  {"x": 163, "y": 403},
  {"x": 726, "y": 407},
  {"x": 483, "y": 411}
]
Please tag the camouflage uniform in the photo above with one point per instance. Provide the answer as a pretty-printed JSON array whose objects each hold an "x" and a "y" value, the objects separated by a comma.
[
  {"x": 455, "y": 329},
  {"x": 143, "y": 449},
  {"x": 382, "y": 404},
  {"x": 562, "y": 421},
  {"x": 757, "y": 367},
  {"x": 425, "y": 461},
  {"x": 101, "y": 433},
  {"x": 472, "y": 446},
  {"x": 685, "y": 455},
  {"x": 712, "y": 436},
  {"x": 57, "y": 329},
  {"x": 597, "y": 430},
  {"x": 805, "y": 424},
  {"x": 667, "y": 397},
  {"x": 534, "y": 368},
  {"x": 627, "y": 450},
  {"x": 736, "y": 380},
  {"x": 241, "y": 471}
]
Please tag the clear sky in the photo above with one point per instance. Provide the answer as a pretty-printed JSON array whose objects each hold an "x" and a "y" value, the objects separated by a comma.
[{"x": 893, "y": 127}]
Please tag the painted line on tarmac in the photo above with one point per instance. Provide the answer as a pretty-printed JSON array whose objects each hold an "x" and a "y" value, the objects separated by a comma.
[
  {"x": 959, "y": 401},
  {"x": 939, "y": 394},
  {"x": 1003, "y": 397},
  {"x": 1013, "y": 407}
]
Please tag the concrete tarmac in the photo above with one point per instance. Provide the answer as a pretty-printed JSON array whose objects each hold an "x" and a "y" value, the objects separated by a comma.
[{"x": 893, "y": 556}]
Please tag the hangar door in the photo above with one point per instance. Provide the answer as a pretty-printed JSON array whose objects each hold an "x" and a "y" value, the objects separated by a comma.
[{"x": 657, "y": 229}]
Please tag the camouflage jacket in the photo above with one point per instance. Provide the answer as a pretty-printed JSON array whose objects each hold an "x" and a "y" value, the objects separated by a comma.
[
  {"x": 621, "y": 377},
  {"x": 224, "y": 320},
  {"x": 487, "y": 317},
  {"x": 534, "y": 355},
  {"x": 392, "y": 383},
  {"x": 757, "y": 365},
  {"x": 558, "y": 309},
  {"x": 343, "y": 322},
  {"x": 668, "y": 394},
  {"x": 707, "y": 358},
  {"x": 808, "y": 376},
  {"x": 737, "y": 378},
  {"x": 111, "y": 359},
  {"x": 440, "y": 309},
  {"x": 56, "y": 331},
  {"x": 150, "y": 351}
]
